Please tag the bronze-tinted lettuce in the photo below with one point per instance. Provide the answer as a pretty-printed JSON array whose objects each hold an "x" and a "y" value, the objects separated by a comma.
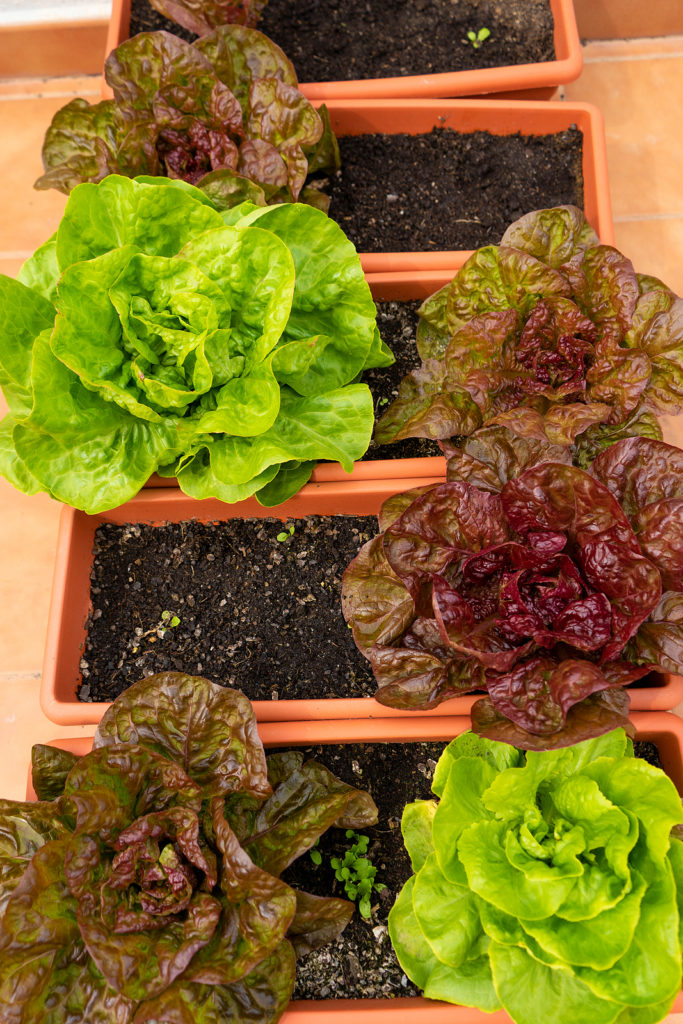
[
  {"x": 550, "y": 334},
  {"x": 143, "y": 885},
  {"x": 201, "y": 16},
  {"x": 223, "y": 113},
  {"x": 549, "y": 587}
]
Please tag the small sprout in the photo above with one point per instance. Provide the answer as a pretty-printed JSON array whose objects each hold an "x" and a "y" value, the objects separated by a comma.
[
  {"x": 165, "y": 615},
  {"x": 477, "y": 38},
  {"x": 357, "y": 873},
  {"x": 316, "y": 855},
  {"x": 383, "y": 401},
  {"x": 282, "y": 537},
  {"x": 168, "y": 620},
  {"x": 175, "y": 621}
]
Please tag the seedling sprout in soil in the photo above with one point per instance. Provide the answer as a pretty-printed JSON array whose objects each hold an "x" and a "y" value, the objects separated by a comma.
[
  {"x": 477, "y": 38},
  {"x": 285, "y": 535},
  {"x": 357, "y": 873}
]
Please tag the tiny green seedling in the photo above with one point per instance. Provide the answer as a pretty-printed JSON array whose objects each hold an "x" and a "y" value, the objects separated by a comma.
[
  {"x": 357, "y": 873},
  {"x": 316, "y": 855},
  {"x": 383, "y": 401},
  {"x": 477, "y": 38},
  {"x": 285, "y": 535},
  {"x": 168, "y": 620}
]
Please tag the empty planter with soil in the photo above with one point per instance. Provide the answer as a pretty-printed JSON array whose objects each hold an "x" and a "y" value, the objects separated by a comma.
[
  {"x": 354, "y": 49},
  {"x": 424, "y": 182}
]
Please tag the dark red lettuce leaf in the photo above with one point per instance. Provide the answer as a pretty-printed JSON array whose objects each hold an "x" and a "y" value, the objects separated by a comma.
[
  {"x": 639, "y": 471},
  {"x": 210, "y": 731},
  {"x": 494, "y": 455},
  {"x": 597, "y": 714},
  {"x": 317, "y": 921},
  {"x": 49, "y": 769},
  {"x": 259, "y": 998},
  {"x": 659, "y": 641},
  {"x": 593, "y": 349},
  {"x": 375, "y": 599},
  {"x": 411, "y": 678},
  {"x": 200, "y": 16}
]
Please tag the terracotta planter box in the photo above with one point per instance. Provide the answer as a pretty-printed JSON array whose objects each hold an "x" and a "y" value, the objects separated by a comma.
[
  {"x": 626, "y": 19},
  {"x": 499, "y": 117},
  {"x": 70, "y": 603},
  {"x": 665, "y": 730},
  {"x": 529, "y": 81}
]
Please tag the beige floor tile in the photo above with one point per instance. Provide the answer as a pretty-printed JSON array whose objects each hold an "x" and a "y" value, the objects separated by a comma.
[
  {"x": 29, "y": 525},
  {"x": 654, "y": 247},
  {"x": 28, "y": 217},
  {"x": 11, "y": 265},
  {"x": 22, "y": 723},
  {"x": 641, "y": 96}
]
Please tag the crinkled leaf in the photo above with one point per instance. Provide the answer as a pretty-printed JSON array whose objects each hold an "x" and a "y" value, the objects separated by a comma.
[
  {"x": 317, "y": 921},
  {"x": 493, "y": 455},
  {"x": 659, "y": 641},
  {"x": 302, "y": 807},
  {"x": 259, "y": 998},
  {"x": 200, "y": 16},
  {"x": 552, "y": 236},
  {"x": 209, "y": 730},
  {"x": 49, "y": 769},
  {"x": 374, "y": 598},
  {"x": 593, "y": 716},
  {"x": 639, "y": 471},
  {"x": 80, "y": 145}
]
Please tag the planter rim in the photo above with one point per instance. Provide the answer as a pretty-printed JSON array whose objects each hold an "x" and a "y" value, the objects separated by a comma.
[
  {"x": 70, "y": 601},
  {"x": 663, "y": 728},
  {"x": 540, "y": 78}
]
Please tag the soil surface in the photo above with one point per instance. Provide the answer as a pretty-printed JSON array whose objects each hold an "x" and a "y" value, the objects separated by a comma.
[
  {"x": 449, "y": 190},
  {"x": 254, "y": 612},
  {"x": 362, "y": 963},
  {"x": 397, "y": 322},
  {"x": 330, "y": 40}
]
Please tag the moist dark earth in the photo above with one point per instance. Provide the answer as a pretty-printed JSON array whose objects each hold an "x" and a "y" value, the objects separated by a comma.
[
  {"x": 256, "y": 613},
  {"x": 329, "y": 40},
  {"x": 362, "y": 963},
  {"x": 397, "y": 322},
  {"x": 447, "y": 190}
]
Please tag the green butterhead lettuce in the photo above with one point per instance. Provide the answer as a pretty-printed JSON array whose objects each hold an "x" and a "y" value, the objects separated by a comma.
[
  {"x": 546, "y": 883},
  {"x": 154, "y": 333}
]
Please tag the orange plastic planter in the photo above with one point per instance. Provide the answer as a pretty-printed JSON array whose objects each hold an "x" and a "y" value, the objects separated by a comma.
[
  {"x": 70, "y": 602},
  {"x": 665, "y": 730},
  {"x": 499, "y": 117},
  {"x": 528, "y": 81}
]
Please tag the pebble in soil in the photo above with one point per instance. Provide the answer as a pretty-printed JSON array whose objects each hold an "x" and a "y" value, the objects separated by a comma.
[
  {"x": 362, "y": 963},
  {"x": 254, "y": 612}
]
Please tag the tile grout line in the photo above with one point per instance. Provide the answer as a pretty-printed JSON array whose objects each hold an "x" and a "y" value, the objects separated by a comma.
[
  {"x": 14, "y": 677},
  {"x": 623, "y": 58}
]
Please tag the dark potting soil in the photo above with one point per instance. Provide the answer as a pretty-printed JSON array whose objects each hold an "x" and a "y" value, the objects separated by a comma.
[
  {"x": 144, "y": 18},
  {"x": 449, "y": 190},
  {"x": 362, "y": 963},
  {"x": 329, "y": 40},
  {"x": 255, "y": 613},
  {"x": 649, "y": 752},
  {"x": 397, "y": 322}
]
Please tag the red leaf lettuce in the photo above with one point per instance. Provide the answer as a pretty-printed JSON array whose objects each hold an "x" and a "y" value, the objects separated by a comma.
[
  {"x": 550, "y": 334},
  {"x": 548, "y": 587},
  {"x": 143, "y": 885},
  {"x": 223, "y": 113}
]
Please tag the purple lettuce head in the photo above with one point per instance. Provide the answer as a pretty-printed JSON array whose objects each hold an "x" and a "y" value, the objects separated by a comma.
[
  {"x": 547, "y": 586},
  {"x": 224, "y": 113},
  {"x": 143, "y": 885},
  {"x": 550, "y": 334}
]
